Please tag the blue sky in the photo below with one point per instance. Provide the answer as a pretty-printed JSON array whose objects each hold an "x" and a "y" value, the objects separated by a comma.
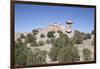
[{"x": 28, "y": 17}]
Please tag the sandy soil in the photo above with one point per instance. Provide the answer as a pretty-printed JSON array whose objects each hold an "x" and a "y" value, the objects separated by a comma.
[{"x": 86, "y": 44}]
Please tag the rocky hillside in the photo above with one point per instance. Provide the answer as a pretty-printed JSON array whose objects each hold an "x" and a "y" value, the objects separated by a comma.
[
  {"x": 52, "y": 27},
  {"x": 56, "y": 37},
  {"x": 18, "y": 34}
]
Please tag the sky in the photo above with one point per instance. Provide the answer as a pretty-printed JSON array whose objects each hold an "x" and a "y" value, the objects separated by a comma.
[{"x": 28, "y": 17}]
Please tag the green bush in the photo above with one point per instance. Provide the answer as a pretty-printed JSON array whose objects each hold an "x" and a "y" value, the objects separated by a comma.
[
  {"x": 62, "y": 41},
  {"x": 21, "y": 54},
  {"x": 77, "y": 37},
  {"x": 50, "y": 34},
  {"x": 68, "y": 55},
  {"x": 88, "y": 36},
  {"x": 34, "y": 43},
  {"x": 63, "y": 50},
  {"x": 86, "y": 54},
  {"x": 92, "y": 32},
  {"x": 29, "y": 38},
  {"x": 53, "y": 53},
  {"x": 83, "y": 33},
  {"x": 25, "y": 56},
  {"x": 59, "y": 31},
  {"x": 39, "y": 56},
  {"x": 41, "y": 43},
  {"x": 35, "y": 31},
  {"x": 42, "y": 35},
  {"x": 84, "y": 37},
  {"x": 19, "y": 40},
  {"x": 22, "y": 36},
  {"x": 52, "y": 40},
  {"x": 48, "y": 41}
]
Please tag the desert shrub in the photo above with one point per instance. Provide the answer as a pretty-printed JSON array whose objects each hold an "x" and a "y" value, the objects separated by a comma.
[
  {"x": 19, "y": 40},
  {"x": 42, "y": 35},
  {"x": 52, "y": 40},
  {"x": 34, "y": 43},
  {"x": 29, "y": 38},
  {"x": 62, "y": 41},
  {"x": 25, "y": 56},
  {"x": 88, "y": 36},
  {"x": 41, "y": 43},
  {"x": 68, "y": 54},
  {"x": 77, "y": 37},
  {"x": 92, "y": 32},
  {"x": 59, "y": 31},
  {"x": 21, "y": 54},
  {"x": 82, "y": 33},
  {"x": 35, "y": 31},
  {"x": 63, "y": 50},
  {"x": 71, "y": 42},
  {"x": 48, "y": 41},
  {"x": 53, "y": 53},
  {"x": 50, "y": 34},
  {"x": 39, "y": 56},
  {"x": 84, "y": 37},
  {"x": 22, "y": 36},
  {"x": 86, "y": 54}
]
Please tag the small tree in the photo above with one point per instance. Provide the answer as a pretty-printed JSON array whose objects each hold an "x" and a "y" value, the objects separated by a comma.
[
  {"x": 84, "y": 37},
  {"x": 41, "y": 43},
  {"x": 59, "y": 31},
  {"x": 83, "y": 33},
  {"x": 25, "y": 56},
  {"x": 48, "y": 41},
  {"x": 22, "y": 54},
  {"x": 34, "y": 43},
  {"x": 68, "y": 55},
  {"x": 52, "y": 40},
  {"x": 92, "y": 32},
  {"x": 19, "y": 40},
  {"x": 22, "y": 36},
  {"x": 39, "y": 56},
  {"x": 42, "y": 35},
  {"x": 30, "y": 38},
  {"x": 34, "y": 31},
  {"x": 86, "y": 54},
  {"x": 77, "y": 37},
  {"x": 53, "y": 53},
  {"x": 62, "y": 41},
  {"x": 88, "y": 36},
  {"x": 63, "y": 50},
  {"x": 50, "y": 34}
]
